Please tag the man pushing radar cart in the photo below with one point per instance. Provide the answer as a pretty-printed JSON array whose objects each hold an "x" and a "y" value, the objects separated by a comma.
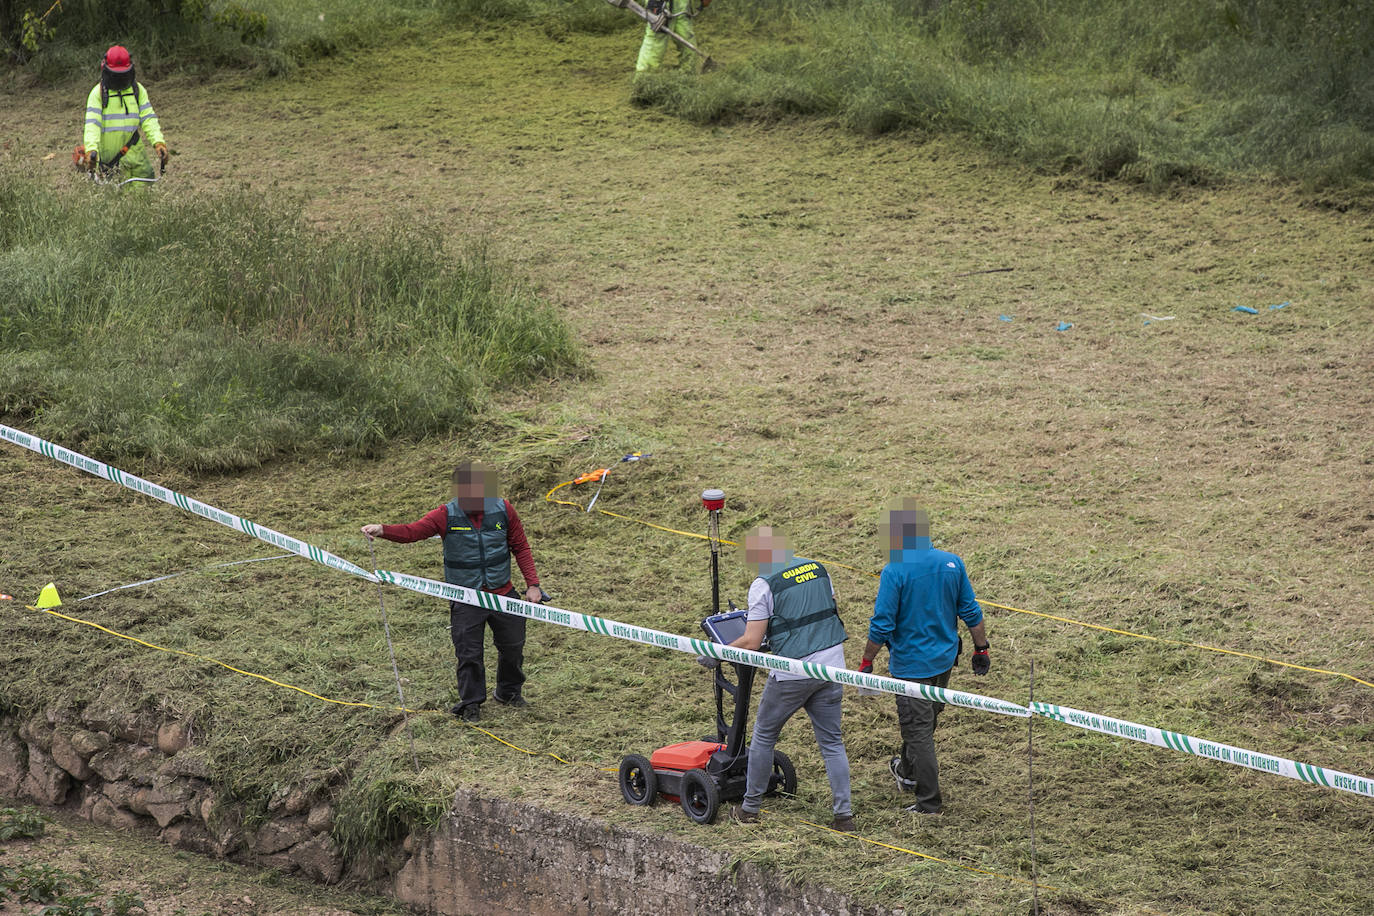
[{"x": 700, "y": 775}]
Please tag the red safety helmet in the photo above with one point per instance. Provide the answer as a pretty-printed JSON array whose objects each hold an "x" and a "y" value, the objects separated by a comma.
[{"x": 117, "y": 60}]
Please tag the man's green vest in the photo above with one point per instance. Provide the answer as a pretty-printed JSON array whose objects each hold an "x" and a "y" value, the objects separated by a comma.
[
  {"x": 805, "y": 618},
  {"x": 477, "y": 558}
]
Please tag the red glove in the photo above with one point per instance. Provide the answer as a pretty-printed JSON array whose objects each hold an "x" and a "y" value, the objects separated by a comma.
[{"x": 866, "y": 666}]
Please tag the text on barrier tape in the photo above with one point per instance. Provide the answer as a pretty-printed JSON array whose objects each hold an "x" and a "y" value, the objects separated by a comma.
[
  {"x": 1201, "y": 747},
  {"x": 662, "y": 640},
  {"x": 171, "y": 497},
  {"x": 1188, "y": 744}
]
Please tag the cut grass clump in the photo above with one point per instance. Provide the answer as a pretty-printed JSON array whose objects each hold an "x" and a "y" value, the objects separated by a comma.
[
  {"x": 385, "y": 802},
  {"x": 217, "y": 332}
]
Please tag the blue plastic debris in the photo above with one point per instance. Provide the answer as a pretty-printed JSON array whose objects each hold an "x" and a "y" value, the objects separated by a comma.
[
  {"x": 1064, "y": 325},
  {"x": 1281, "y": 305},
  {"x": 1246, "y": 309},
  {"x": 1004, "y": 318}
]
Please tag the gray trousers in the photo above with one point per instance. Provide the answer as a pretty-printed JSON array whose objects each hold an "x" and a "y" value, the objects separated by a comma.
[
  {"x": 917, "y": 719},
  {"x": 781, "y": 700}
]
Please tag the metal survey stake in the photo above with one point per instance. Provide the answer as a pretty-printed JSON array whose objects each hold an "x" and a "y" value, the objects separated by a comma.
[
  {"x": 396, "y": 672},
  {"x": 714, "y": 501},
  {"x": 1030, "y": 793}
]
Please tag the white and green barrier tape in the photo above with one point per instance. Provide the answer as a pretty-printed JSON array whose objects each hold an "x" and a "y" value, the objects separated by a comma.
[
  {"x": 1106, "y": 725},
  {"x": 662, "y": 640},
  {"x": 1211, "y": 750},
  {"x": 186, "y": 503}
]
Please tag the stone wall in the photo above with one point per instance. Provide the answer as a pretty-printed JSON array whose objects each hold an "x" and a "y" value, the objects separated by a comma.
[
  {"x": 120, "y": 772},
  {"x": 488, "y": 856}
]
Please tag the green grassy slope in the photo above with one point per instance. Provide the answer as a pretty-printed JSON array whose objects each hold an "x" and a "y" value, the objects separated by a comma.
[
  {"x": 1160, "y": 92},
  {"x": 1147, "y": 91},
  {"x": 774, "y": 310}
]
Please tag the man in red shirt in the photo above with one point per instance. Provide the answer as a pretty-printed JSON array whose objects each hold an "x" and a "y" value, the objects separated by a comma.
[{"x": 480, "y": 533}]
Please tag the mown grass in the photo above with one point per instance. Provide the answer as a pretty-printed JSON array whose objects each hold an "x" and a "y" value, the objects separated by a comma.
[
  {"x": 1178, "y": 92},
  {"x": 784, "y": 318},
  {"x": 1149, "y": 92},
  {"x": 220, "y": 331}
]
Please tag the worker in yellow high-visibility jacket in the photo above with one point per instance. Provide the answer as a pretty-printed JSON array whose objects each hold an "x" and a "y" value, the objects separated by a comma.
[
  {"x": 676, "y": 15},
  {"x": 117, "y": 111}
]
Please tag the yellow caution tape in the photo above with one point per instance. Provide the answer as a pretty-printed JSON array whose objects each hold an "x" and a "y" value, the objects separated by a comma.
[
  {"x": 358, "y": 704},
  {"x": 214, "y": 661}
]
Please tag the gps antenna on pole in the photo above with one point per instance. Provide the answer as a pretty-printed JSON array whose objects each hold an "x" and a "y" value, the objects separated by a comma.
[{"x": 714, "y": 501}]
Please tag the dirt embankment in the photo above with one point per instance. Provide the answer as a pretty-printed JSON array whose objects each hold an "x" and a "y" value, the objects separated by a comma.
[{"x": 488, "y": 856}]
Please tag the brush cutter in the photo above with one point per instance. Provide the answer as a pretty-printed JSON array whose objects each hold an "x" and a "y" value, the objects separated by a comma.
[
  {"x": 107, "y": 173},
  {"x": 660, "y": 23}
]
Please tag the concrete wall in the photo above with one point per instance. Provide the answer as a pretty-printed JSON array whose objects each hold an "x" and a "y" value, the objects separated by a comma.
[{"x": 501, "y": 858}]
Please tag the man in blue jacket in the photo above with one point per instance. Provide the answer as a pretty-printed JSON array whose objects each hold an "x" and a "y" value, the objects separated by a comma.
[{"x": 922, "y": 595}]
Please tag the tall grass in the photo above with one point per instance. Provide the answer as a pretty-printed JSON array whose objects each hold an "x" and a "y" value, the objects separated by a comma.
[
  {"x": 1152, "y": 91},
  {"x": 272, "y": 36},
  {"x": 216, "y": 332}
]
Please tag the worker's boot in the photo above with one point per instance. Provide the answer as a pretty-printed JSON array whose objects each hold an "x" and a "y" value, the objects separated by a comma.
[{"x": 740, "y": 816}]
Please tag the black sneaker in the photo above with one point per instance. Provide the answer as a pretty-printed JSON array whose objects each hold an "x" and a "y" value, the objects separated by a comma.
[
  {"x": 517, "y": 702},
  {"x": 929, "y": 812},
  {"x": 471, "y": 713}
]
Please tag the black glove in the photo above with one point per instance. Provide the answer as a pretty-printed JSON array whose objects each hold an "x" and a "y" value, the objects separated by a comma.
[
  {"x": 981, "y": 662},
  {"x": 706, "y": 661}
]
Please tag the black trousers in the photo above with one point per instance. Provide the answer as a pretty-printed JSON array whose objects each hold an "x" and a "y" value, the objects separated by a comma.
[
  {"x": 469, "y": 624},
  {"x": 917, "y": 719}
]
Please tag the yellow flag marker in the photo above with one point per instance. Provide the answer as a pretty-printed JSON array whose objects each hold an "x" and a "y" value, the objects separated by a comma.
[{"x": 48, "y": 597}]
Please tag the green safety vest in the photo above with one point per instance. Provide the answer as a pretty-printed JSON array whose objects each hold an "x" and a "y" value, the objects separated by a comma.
[
  {"x": 477, "y": 558},
  {"x": 805, "y": 619}
]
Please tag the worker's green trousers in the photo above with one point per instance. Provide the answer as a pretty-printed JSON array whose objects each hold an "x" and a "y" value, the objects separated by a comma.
[{"x": 656, "y": 43}]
